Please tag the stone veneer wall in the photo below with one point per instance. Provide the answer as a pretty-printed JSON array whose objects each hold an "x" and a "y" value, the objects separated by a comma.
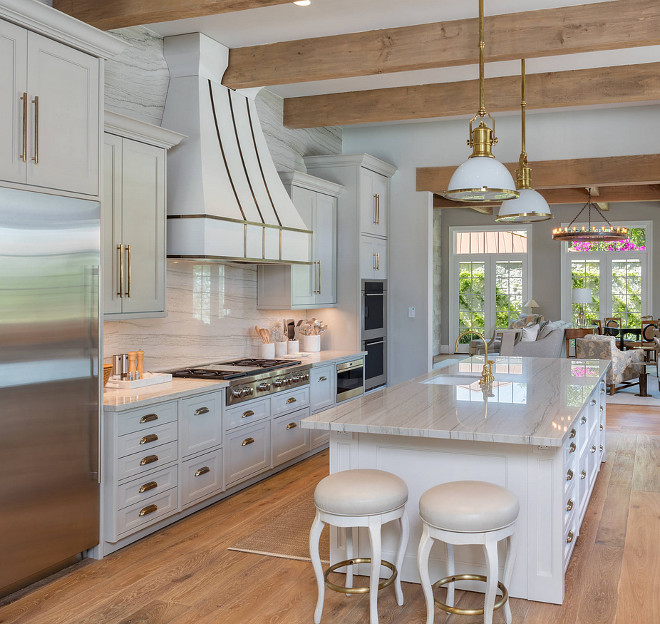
[{"x": 211, "y": 308}]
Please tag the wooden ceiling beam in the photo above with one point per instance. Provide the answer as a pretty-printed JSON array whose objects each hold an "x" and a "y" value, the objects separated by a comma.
[
  {"x": 109, "y": 14},
  {"x": 528, "y": 34},
  {"x": 573, "y": 173},
  {"x": 583, "y": 87}
]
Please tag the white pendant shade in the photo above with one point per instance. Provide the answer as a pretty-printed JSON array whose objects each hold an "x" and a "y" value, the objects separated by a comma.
[
  {"x": 530, "y": 206},
  {"x": 479, "y": 179}
]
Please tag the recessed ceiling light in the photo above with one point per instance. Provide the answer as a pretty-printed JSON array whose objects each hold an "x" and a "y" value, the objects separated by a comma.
[{"x": 302, "y": 2}]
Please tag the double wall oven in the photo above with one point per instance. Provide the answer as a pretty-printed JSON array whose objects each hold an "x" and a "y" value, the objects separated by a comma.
[{"x": 374, "y": 332}]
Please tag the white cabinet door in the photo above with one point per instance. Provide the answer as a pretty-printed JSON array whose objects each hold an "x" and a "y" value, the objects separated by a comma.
[
  {"x": 367, "y": 257},
  {"x": 380, "y": 250},
  {"x": 381, "y": 186},
  {"x": 303, "y": 276},
  {"x": 367, "y": 206},
  {"x": 111, "y": 221},
  {"x": 143, "y": 226},
  {"x": 63, "y": 88},
  {"x": 325, "y": 249},
  {"x": 13, "y": 96},
  {"x": 322, "y": 387},
  {"x": 200, "y": 423}
]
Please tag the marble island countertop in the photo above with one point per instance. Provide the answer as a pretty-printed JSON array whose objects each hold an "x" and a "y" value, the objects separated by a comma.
[
  {"x": 324, "y": 357},
  {"x": 535, "y": 401}
]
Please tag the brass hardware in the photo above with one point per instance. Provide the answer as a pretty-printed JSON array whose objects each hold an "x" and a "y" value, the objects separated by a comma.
[
  {"x": 202, "y": 410},
  {"x": 128, "y": 261},
  {"x": 583, "y": 474},
  {"x": 569, "y": 504},
  {"x": 319, "y": 277},
  {"x": 601, "y": 448},
  {"x": 487, "y": 377},
  {"x": 247, "y": 414},
  {"x": 583, "y": 420},
  {"x": 291, "y": 400},
  {"x": 593, "y": 401},
  {"x": 36, "y": 129},
  {"x": 358, "y": 590},
  {"x": 569, "y": 475},
  {"x": 152, "y": 437},
  {"x": 375, "y": 200},
  {"x": 569, "y": 537},
  {"x": 377, "y": 209},
  {"x": 468, "y": 577},
  {"x": 247, "y": 441},
  {"x": 572, "y": 434},
  {"x": 149, "y": 509},
  {"x": 593, "y": 449},
  {"x": 377, "y": 261},
  {"x": 148, "y": 418},
  {"x": 323, "y": 378},
  {"x": 572, "y": 447},
  {"x": 601, "y": 408},
  {"x": 23, "y": 154},
  {"x": 201, "y": 471},
  {"x": 149, "y": 459},
  {"x": 601, "y": 427},
  {"x": 148, "y": 486},
  {"x": 120, "y": 249},
  {"x": 291, "y": 426},
  {"x": 373, "y": 262}
]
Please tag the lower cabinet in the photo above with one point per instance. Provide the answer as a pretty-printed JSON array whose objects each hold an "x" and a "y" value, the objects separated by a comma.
[
  {"x": 142, "y": 514},
  {"x": 200, "y": 423},
  {"x": 289, "y": 440},
  {"x": 201, "y": 477},
  {"x": 322, "y": 387},
  {"x": 248, "y": 452},
  {"x": 318, "y": 438}
]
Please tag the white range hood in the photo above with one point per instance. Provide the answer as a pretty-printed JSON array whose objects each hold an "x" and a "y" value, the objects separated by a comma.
[{"x": 225, "y": 198}]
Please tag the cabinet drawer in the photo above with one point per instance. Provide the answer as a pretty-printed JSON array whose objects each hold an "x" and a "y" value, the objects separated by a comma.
[
  {"x": 137, "y": 420},
  {"x": 289, "y": 439},
  {"x": 318, "y": 437},
  {"x": 201, "y": 423},
  {"x": 140, "y": 490},
  {"x": 201, "y": 477},
  {"x": 321, "y": 387},
  {"x": 289, "y": 401},
  {"x": 146, "y": 461},
  {"x": 141, "y": 515},
  {"x": 141, "y": 441},
  {"x": 247, "y": 451},
  {"x": 246, "y": 414}
]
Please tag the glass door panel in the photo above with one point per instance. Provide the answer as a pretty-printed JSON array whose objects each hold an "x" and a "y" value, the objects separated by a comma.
[
  {"x": 471, "y": 299},
  {"x": 627, "y": 291},
  {"x": 586, "y": 274},
  {"x": 508, "y": 292}
]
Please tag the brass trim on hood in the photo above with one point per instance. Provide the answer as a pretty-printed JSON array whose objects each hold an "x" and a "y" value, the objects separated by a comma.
[{"x": 256, "y": 223}]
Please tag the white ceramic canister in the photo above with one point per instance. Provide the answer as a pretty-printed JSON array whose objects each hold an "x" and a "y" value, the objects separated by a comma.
[
  {"x": 268, "y": 350},
  {"x": 281, "y": 348},
  {"x": 311, "y": 343},
  {"x": 293, "y": 346}
]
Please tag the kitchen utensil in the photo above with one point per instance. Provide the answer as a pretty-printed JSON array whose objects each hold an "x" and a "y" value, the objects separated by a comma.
[{"x": 140, "y": 362}]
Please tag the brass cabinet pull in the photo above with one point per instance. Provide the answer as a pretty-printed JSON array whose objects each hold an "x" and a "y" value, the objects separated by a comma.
[
  {"x": 148, "y": 486},
  {"x": 202, "y": 410},
  {"x": 120, "y": 249},
  {"x": 569, "y": 475},
  {"x": 323, "y": 378},
  {"x": 572, "y": 434},
  {"x": 128, "y": 262},
  {"x": 377, "y": 261},
  {"x": 583, "y": 420},
  {"x": 593, "y": 401},
  {"x": 377, "y": 209},
  {"x": 291, "y": 400},
  {"x": 373, "y": 262},
  {"x": 36, "y": 129},
  {"x": 23, "y": 154},
  {"x": 569, "y": 504},
  {"x": 375, "y": 204},
  {"x": 149, "y": 459},
  {"x": 569, "y": 537},
  {"x": 152, "y": 437},
  {"x": 601, "y": 427},
  {"x": 149, "y": 509},
  {"x": 583, "y": 474},
  {"x": 601, "y": 408},
  {"x": 202, "y": 471},
  {"x": 247, "y": 441},
  {"x": 247, "y": 414},
  {"x": 593, "y": 449},
  {"x": 319, "y": 292},
  {"x": 148, "y": 418},
  {"x": 291, "y": 426},
  {"x": 572, "y": 447}
]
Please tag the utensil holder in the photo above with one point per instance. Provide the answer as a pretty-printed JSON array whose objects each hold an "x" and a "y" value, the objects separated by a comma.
[
  {"x": 293, "y": 347},
  {"x": 268, "y": 350},
  {"x": 280, "y": 348},
  {"x": 311, "y": 343}
]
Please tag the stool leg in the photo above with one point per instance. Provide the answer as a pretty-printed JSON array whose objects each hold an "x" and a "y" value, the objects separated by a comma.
[
  {"x": 404, "y": 525},
  {"x": 451, "y": 570},
  {"x": 508, "y": 572},
  {"x": 492, "y": 573},
  {"x": 374, "y": 538},
  {"x": 425, "y": 544},
  {"x": 314, "y": 537},
  {"x": 348, "y": 534}
]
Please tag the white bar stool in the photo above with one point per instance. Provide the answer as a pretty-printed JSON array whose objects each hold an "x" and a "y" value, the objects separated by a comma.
[
  {"x": 359, "y": 498},
  {"x": 468, "y": 512}
]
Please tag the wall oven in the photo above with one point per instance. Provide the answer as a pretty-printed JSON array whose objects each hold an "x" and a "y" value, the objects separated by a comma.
[
  {"x": 374, "y": 308},
  {"x": 350, "y": 379},
  {"x": 375, "y": 370}
]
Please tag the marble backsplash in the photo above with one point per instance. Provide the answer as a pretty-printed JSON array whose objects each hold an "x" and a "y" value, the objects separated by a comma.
[{"x": 212, "y": 311}]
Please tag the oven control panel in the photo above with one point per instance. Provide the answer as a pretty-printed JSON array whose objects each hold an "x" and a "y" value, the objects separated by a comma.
[{"x": 268, "y": 385}]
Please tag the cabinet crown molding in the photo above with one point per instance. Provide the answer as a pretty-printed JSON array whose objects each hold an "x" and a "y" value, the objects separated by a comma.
[
  {"x": 141, "y": 131},
  {"x": 351, "y": 160},
  {"x": 61, "y": 27},
  {"x": 310, "y": 182}
]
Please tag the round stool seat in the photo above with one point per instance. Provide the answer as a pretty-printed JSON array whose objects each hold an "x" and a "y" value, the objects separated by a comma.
[
  {"x": 468, "y": 506},
  {"x": 360, "y": 493}
]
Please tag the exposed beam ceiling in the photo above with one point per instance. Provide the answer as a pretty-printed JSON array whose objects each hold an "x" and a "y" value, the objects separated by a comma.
[
  {"x": 593, "y": 27},
  {"x": 108, "y": 14},
  {"x": 583, "y": 87},
  {"x": 574, "y": 173}
]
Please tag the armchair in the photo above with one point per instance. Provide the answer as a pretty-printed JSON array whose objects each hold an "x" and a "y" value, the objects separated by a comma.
[{"x": 626, "y": 365}]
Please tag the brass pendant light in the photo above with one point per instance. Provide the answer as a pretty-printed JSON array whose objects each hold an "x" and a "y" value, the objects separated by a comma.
[
  {"x": 531, "y": 205},
  {"x": 481, "y": 178}
]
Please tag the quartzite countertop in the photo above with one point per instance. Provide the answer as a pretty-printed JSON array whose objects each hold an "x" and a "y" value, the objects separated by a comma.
[{"x": 536, "y": 401}]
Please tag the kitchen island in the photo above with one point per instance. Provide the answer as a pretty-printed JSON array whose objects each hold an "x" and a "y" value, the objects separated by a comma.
[{"x": 540, "y": 433}]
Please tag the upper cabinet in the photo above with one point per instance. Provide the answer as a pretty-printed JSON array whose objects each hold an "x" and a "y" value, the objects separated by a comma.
[
  {"x": 50, "y": 108},
  {"x": 374, "y": 203},
  {"x": 134, "y": 216},
  {"x": 314, "y": 285}
]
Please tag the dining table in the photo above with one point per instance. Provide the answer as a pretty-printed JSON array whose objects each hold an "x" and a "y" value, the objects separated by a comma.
[{"x": 621, "y": 332}]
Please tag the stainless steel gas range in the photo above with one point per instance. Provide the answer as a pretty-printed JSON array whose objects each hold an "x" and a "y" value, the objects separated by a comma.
[{"x": 251, "y": 378}]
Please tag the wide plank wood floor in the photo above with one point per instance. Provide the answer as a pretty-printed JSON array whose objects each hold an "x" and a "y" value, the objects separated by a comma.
[{"x": 185, "y": 575}]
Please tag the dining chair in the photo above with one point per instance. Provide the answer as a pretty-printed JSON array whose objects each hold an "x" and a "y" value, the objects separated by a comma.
[
  {"x": 649, "y": 331},
  {"x": 596, "y": 323},
  {"x": 612, "y": 321}
]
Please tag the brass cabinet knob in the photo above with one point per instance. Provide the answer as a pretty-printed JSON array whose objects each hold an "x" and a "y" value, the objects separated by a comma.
[
  {"x": 593, "y": 449},
  {"x": 569, "y": 537},
  {"x": 291, "y": 425},
  {"x": 572, "y": 434},
  {"x": 583, "y": 474},
  {"x": 569, "y": 504},
  {"x": 569, "y": 475},
  {"x": 572, "y": 447}
]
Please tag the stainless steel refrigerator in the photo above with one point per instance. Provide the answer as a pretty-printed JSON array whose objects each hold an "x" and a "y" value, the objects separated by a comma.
[{"x": 49, "y": 382}]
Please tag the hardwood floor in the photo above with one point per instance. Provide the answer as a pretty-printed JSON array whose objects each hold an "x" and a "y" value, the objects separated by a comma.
[{"x": 185, "y": 574}]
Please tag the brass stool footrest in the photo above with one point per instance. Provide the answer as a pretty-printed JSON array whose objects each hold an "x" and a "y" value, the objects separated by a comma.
[
  {"x": 468, "y": 577},
  {"x": 358, "y": 590}
]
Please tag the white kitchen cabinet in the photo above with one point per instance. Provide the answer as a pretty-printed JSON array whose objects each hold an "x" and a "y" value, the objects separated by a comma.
[
  {"x": 200, "y": 422},
  {"x": 302, "y": 286},
  {"x": 289, "y": 440},
  {"x": 134, "y": 217},
  {"x": 322, "y": 380},
  {"x": 373, "y": 257},
  {"x": 374, "y": 203},
  {"x": 247, "y": 452},
  {"x": 201, "y": 477}
]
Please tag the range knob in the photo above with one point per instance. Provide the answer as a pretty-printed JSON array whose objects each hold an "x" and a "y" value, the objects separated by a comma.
[
  {"x": 237, "y": 392},
  {"x": 262, "y": 387},
  {"x": 278, "y": 383},
  {"x": 249, "y": 391},
  {"x": 295, "y": 379},
  {"x": 306, "y": 376}
]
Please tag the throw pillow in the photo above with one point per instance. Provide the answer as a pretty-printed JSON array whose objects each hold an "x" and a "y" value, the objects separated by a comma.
[
  {"x": 530, "y": 333},
  {"x": 542, "y": 333}
]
